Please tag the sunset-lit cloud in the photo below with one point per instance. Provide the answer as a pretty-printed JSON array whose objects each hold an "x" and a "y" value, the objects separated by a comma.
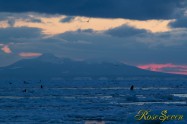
[
  {"x": 53, "y": 25},
  {"x": 167, "y": 68},
  {"x": 6, "y": 49},
  {"x": 3, "y": 24},
  {"x": 28, "y": 54},
  {"x": 97, "y": 31}
]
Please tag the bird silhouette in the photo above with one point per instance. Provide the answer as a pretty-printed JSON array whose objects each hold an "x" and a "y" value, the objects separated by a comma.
[
  {"x": 132, "y": 87},
  {"x": 24, "y": 90},
  {"x": 25, "y": 82}
]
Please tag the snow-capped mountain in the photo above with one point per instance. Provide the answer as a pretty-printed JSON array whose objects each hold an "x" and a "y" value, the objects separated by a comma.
[{"x": 50, "y": 67}]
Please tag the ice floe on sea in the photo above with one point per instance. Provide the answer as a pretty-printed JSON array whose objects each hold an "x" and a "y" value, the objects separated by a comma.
[{"x": 91, "y": 102}]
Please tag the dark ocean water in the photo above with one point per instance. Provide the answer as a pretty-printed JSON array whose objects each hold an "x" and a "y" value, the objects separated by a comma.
[{"x": 90, "y": 102}]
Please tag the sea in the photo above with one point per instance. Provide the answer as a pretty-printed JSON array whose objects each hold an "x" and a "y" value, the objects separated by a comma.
[{"x": 92, "y": 101}]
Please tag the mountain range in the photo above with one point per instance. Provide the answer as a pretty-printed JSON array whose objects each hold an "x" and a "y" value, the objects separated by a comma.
[{"x": 51, "y": 67}]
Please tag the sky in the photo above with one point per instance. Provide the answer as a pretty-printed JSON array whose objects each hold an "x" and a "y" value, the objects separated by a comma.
[{"x": 149, "y": 34}]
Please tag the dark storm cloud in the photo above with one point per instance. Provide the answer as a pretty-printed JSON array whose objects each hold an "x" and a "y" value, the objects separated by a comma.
[
  {"x": 7, "y": 15},
  {"x": 179, "y": 23},
  {"x": 67, "y": 19},
  {"x": 124, "y": 31},
  {"x": 22, "y": 34},
  {"x": 11, "y": 22},
  {"x": 136, "y": 47},
  {"x": 131, "y": 9},
  {"x": 35, "y": 20},
  {"x": 168, "y": 47}
]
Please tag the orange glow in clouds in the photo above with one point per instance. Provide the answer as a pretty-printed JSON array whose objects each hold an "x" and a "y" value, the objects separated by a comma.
[
  {"x": 28, "y": 55},
  {"x": 167, "y": 68},
  {"x": 53, "y": 26},
  {"x": 6, "y": 49}
]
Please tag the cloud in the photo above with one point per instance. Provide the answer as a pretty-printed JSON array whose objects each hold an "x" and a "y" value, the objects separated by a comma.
[
  {"x": 35, "y": 20},
  {"x": 20, "y": 34},
  {"x": 29, "y": 55},
  {"x": 136, "y": 47},
  {"x": 51, "y": 24},
  {"x": 134, "y": 9},
  {"x": 67, "y": 19},
  {"x": 11, "y": 22},
  {"x": 124, "y": 31},
  {"x": 6, "y": 49},
  {"x": 179, "y": 23},
  {"x": 143, "y": 47},
  {"x": 167, "y": 68},
  {"x": 11, "y": 19}
]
